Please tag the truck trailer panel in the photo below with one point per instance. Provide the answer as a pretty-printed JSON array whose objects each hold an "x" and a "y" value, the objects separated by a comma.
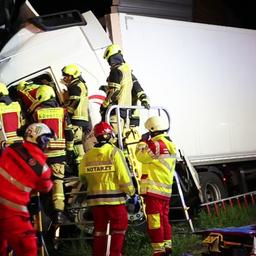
[{"x": 205, "y": 76}]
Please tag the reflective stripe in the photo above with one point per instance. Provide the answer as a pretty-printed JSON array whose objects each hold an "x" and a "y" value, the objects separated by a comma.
[
  {"x": 154, "y": 183},
  {"x": 112, "y": 232},
  {"x": 19, "y": 207},
  {"x": 45, "y": 168},
  {"x": 167, "y": 156},
  {"x": 106, "y": 192},
  {"x": 157, "y": 148},
  {"x": 99, "y": 233},
  {"x": 95, "y": 163},
  {"x": 12, "y": 180},
  {"x": 103, "y": 200},
  {"x": 160, "y": 193}
]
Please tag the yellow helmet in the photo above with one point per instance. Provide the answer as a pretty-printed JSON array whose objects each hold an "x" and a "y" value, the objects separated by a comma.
[
  {"x": 156, "y": 123},
  {"x": 21, "y": 86},
  {"x": 3, "y": 90},
  {"x": 72, "y": 70},
  {"x": 112, "y": 50},
  {"x": 44, "y": 93}
]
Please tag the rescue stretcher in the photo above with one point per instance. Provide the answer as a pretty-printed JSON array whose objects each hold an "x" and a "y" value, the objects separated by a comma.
[{"x": 230, "y": 241}]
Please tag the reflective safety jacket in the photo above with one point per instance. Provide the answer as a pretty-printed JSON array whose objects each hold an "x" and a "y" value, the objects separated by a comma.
[
  {"x": 23, "y": 168},
  {"x": 78, "y": 104},
  {"x": 158, "y": 157},
  {"x": 10, "y": 119},
  {"x": 119, "y": 90},
  {"x": 28, "y": 96},
  {"x": 107, "y": 176},
  {"x": 57, "y": 119}
]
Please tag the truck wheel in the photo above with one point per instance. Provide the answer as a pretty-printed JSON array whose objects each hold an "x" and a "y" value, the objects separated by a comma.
[{"x": 212, "y": 187}]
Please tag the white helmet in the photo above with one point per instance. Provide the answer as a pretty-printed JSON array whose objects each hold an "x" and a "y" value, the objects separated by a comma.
[
  {"x": 39, "y": 133},
  {"x": 156, "y": 123}
]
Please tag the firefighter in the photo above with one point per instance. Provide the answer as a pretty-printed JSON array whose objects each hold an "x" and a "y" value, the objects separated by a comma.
[
  {"x": 158, "y": 156},
  {"x": 26, "y": 92},
  {"x": 123, "y": 87},
  {"x": 104, "y": 171},
  {"x": 60, "y": 150},
  {"x": 23, "y": 169},
  {"x": 10, "y": 118},
  {"x": 77, "y": 106}
]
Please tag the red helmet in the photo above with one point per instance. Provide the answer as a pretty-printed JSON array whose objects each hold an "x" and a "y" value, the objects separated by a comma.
[{"x": 102, "y": 129}]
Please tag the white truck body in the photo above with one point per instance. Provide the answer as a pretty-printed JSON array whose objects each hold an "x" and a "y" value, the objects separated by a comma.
[
  {"x": 32, "y": 49},
  {"x": 204, "y": 75}
]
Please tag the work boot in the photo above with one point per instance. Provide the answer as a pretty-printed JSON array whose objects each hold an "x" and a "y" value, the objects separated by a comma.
[
  {"x": 58, "y": 217},
  {"x": 159, "y": 254}
]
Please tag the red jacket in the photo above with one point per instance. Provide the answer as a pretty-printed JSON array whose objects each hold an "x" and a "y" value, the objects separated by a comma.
[{"x": 23, "y": 169}]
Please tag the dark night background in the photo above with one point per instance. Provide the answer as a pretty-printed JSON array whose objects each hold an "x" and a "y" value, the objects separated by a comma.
[{"x": 234, "y": 13}]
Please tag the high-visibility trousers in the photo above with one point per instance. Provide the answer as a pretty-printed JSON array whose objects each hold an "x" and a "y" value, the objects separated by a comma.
[
  {"x": 118, "y": 217},
  {"x": 158, "y": 225},
  {"x": 18, "y": 233},
  {"x": 58, "y": 196}
]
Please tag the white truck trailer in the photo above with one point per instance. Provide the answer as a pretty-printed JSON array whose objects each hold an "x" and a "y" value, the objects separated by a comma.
[{"x": 203, "y": 74}]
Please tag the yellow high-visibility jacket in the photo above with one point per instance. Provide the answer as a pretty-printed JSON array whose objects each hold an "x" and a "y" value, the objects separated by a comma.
[
  {"x": 107, "y": 176},
  {"x": 119, "y": 90},
  {"x": 158, "y": 157},
  {"x": 78, "y": 103},
  {"x": 10, "y": 119}
]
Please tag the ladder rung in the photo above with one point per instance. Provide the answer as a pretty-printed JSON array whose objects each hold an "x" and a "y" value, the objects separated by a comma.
[
  {"x": 178, "y": 220},
  {"x": 176, "y": 208}
]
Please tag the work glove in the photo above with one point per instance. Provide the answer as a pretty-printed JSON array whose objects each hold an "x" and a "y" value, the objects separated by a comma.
[
  {"x": 145, "y": 104},
  {"x": 103, "y": 112},
  {"x": 103, "y": 88},
  {"x": 145, "y": 136}
]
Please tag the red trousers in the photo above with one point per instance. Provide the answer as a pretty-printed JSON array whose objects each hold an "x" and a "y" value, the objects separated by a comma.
[
  {"x": 18, "y": 233},
  {"x": 118, "y": 217},
  {"x": 156, "y": 206}
]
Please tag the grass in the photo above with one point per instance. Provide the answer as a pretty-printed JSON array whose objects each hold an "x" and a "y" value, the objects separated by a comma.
[{"x": 184, "y": 242}]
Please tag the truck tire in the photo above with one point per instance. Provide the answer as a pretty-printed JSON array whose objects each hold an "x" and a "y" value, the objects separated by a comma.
[{"x": 212, "y": 187}]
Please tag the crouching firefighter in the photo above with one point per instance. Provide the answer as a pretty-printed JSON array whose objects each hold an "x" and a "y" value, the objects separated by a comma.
[
  {"x": 104, "y": 171},
  {"x": 23, "y": 169},
  {"x": 157, "y": 154}
]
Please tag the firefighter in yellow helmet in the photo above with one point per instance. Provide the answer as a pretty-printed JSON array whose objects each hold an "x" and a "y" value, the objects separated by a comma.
[
  {"x": 46, "y": 110},
  {"x": 10, "y": 118},
  {"x": 77, "y": 106},
  {"x": 26, "y": 95},
  {"x": 104, "y": 171},
  {"x": 158, "y": 156},
  {"x": 123, "y": 87}
]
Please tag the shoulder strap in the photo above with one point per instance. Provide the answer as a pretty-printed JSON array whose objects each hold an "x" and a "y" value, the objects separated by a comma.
[{"x": 28, "y": 158}]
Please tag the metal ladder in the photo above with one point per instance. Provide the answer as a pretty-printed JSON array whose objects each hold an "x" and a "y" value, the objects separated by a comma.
[
  {"x": 181, "y": 208},
  {"x": 241, "y": 200},
  {"x": 161, "y": 111}
]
